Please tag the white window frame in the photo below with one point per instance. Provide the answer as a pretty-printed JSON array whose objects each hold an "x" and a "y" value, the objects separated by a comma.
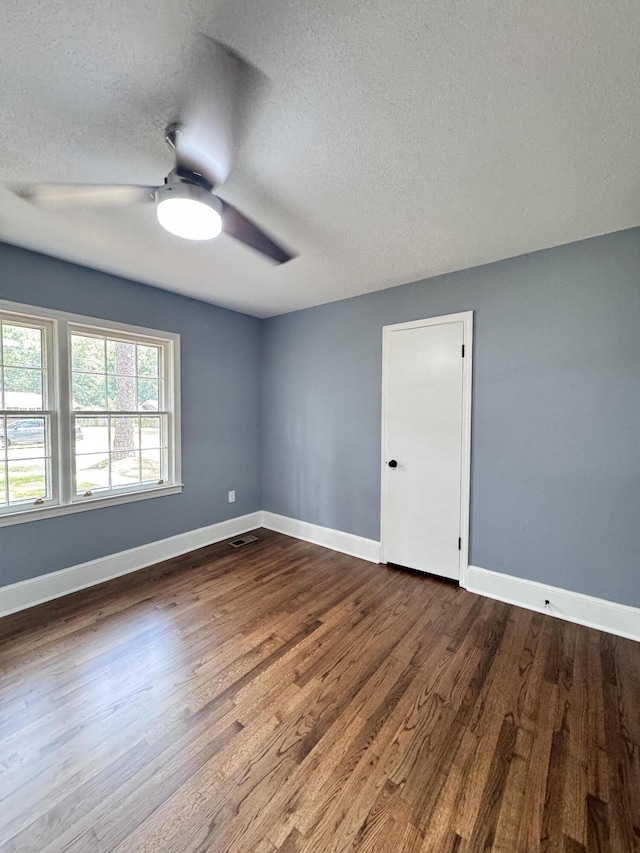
[{"x": 59, "y": 325}]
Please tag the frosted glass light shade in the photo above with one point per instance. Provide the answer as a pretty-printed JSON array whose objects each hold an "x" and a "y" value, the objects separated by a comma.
[{"x": 189, "y": 218}]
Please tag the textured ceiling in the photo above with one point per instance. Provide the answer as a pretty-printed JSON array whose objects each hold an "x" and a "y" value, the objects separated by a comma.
[{"x": 398, "y": 140}]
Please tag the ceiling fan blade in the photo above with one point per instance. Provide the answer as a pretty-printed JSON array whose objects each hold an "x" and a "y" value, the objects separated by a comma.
[
  {"x": 67, "y": 195},
  {"x": 237, "y": 225},
  {"x": 222, "y": 88}
]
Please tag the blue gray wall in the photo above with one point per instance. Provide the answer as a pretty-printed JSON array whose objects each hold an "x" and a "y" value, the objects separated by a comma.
[
  {"x": 556, "y": 412},
  {"x": 220, "y": 415}
]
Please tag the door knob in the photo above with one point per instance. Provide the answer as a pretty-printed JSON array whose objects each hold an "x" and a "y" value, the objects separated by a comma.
[{"x": 392, "y": 464}]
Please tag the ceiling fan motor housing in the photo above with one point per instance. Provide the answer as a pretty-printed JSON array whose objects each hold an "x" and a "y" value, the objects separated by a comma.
[{"x": 189, "y": 185}]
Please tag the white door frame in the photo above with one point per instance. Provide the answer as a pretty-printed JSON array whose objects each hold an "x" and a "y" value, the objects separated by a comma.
[{"x": 466, "y": 318}]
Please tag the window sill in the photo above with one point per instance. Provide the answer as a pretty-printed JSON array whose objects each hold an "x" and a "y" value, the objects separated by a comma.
[{"x": 92, "y": 503}]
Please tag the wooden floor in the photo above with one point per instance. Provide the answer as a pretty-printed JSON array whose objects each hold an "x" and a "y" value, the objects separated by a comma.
[{"x": 283, "y": 697}]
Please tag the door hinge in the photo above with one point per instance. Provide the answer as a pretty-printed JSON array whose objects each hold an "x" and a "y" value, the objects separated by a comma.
[
  {"x": 463, "y": 350},
  {"x": 459, "y": 543}
]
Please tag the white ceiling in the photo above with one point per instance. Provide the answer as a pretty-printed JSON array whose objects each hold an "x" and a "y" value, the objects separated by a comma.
[{"x": 398, "y": 140}]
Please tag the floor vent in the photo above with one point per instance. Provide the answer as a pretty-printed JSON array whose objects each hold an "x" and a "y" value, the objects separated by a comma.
[{"x": 243, "y": 540}]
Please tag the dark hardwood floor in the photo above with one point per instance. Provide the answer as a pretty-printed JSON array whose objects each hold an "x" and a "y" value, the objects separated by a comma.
[{"x": 283, "y": 697}]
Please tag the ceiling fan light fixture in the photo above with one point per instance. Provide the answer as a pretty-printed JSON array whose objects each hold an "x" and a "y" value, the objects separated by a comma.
[{"x": 189, "y": 211}]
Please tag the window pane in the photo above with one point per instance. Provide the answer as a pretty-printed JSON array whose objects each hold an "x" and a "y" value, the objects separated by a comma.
[
  {"x": 151, "y": 471},
  {"x": 125, "y": 435},
  {"x": 22, "y": 388},
  {"x": 121, "y": 358},
  {"x": 26, "y": 451},
  {"x": 111, "y": 356},
  {"x": 125, "y": 470},
  {"x": 26, "y": 437},
  {"x": 87, "y": 354},
  {"x": 22, "y": 346},
  {"x": 92, "y": 435},
  {"x": 151, "y": 435},
  {"x": 148, "y": 395},
  {"x": 148, "y": 361},
  {"x": 89, "y": 392},
  {"x": 27, "y": 480},
  {"x": 122, "y": 393},
  {"x": 92, "y": 472}
]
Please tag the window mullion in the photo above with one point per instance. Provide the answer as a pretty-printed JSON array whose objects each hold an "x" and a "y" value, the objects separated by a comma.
[
  {"x": 167, "y": 382},
  {"x": 65, "y": 411},
  {"x": 49, "y": 411},
  {"x": 2, "y": 406}
]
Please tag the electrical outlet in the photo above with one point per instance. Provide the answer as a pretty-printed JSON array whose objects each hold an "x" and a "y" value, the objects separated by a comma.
[{"x": 232, "y": 496}]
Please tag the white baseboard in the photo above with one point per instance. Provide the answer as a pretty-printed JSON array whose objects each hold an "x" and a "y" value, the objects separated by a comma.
[
  {"x": 29, "y": 593},
  {"x": 19, "y": 596},
  {"x": 337, "y": 540},
  {"x": 586, "y": 610}
]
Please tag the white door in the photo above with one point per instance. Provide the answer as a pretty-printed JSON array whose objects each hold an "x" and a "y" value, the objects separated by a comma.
[{"x": 425, "y": 443}]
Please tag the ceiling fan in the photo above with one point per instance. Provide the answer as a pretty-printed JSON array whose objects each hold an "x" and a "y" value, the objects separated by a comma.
[{"x": 221, "y": 89}]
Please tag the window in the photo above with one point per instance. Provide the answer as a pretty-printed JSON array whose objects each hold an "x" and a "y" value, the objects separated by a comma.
[{"x": 88, "y": 413}]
